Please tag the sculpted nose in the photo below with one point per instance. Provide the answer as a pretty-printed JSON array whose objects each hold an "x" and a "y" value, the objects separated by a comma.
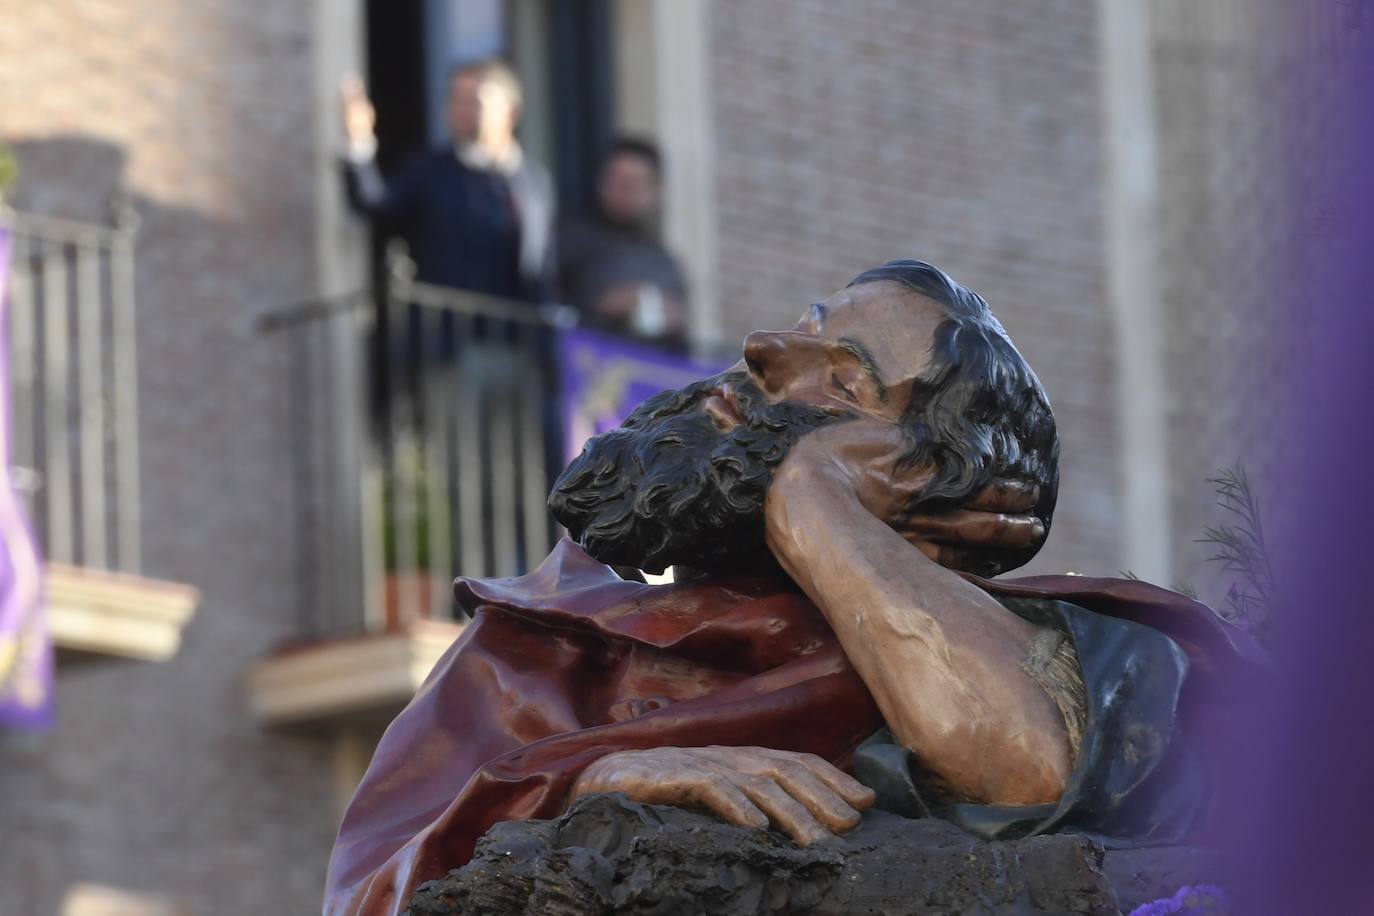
[
  {"x": 781, "y": 360},
  {"x": 765, "y": 354}
]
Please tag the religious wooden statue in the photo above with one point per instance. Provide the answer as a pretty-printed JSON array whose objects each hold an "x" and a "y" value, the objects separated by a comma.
[{"x": 833, "y": 506}]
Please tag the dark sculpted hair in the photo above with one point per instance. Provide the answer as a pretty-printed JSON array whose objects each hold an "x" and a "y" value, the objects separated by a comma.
[
  {"x": 979, "y": 413},
  {"x": 668, "y": 487}
]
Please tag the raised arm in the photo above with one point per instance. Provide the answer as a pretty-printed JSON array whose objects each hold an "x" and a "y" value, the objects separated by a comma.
[
  {"x": 945, "y": 662},
  {"x": 368, "y": 190}
]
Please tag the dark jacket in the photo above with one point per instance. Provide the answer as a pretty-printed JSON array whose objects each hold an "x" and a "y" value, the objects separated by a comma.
[
  {"x": 468, "y": 228},
  {"x": 596, "y": 255}
]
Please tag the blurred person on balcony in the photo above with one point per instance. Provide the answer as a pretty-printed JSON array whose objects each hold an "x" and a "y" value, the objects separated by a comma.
[
  {"x": 612, "y": 265},
  {"x": 479, "y": 212}
]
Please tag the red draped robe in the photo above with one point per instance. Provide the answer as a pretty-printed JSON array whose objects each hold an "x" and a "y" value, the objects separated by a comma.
[{"x": 570, "y": 663}]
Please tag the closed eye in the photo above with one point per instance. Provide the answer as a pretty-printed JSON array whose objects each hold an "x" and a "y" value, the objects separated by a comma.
[{"x": 835, "y": 380}]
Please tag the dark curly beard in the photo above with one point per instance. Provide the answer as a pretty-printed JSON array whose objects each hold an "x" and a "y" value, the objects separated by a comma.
[{"x": 670, "y": 488}]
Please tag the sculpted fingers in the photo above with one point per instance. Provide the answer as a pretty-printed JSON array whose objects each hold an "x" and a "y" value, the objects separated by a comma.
[
  {"x": 765, "y": 760},
  {"x": 707, "y": 780},
  {"x": 987, "y": 529},
  {"x": 730, "y": 802},
  {"x": 794, "y": 818},
  {"x": 1013, "y": 496},
  {"x": 833, "y": 796},
  {"x": 836, "y": 814},
  {"x": 802, "y": 794},
  {"x": 828, "y": 795},
  {"x": 854, "y": 793},
  {"x": 672, "y": 776}
]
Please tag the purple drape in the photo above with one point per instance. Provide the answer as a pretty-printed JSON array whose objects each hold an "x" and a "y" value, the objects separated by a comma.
[
  {"x": 26, "y": 687},
  {"x": 604, "y": 377}
]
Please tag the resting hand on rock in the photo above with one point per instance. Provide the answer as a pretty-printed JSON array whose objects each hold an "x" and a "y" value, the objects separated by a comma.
[{"x": 801, "y": 794}]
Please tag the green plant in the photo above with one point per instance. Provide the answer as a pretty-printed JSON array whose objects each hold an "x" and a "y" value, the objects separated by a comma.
[
  {"x": 1183, "y": 588},
  {"x": 9, "y": 170},
  {"x": 1241, "y": 548},
  {"x": 405, "y": 476}
]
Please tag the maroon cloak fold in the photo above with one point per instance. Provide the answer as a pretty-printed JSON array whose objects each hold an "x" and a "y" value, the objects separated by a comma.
[{"x": 570, "y": 663}]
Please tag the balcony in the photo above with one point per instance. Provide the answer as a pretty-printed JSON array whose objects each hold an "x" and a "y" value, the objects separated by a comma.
[
  {"x": 361, "y": 680},
  {"x": 425, "y": 435},
  {"x": 424, "y": 438},
  {"x": 73, "y": 380}
]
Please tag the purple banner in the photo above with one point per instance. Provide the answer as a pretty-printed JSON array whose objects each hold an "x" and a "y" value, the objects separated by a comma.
[
  {"x": 26, "y": 695},
  {"x": 605, "y": 377}
]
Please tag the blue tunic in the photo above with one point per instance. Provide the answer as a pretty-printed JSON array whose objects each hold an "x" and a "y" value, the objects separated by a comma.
[{"x": 1136, "y": 780}]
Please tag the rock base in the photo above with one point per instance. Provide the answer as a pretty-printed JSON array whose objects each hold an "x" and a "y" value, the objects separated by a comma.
[{"x": 608, "y": 856}]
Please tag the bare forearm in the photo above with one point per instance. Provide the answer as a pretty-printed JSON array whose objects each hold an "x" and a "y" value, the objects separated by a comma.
[{"x": 942, "y": 659}]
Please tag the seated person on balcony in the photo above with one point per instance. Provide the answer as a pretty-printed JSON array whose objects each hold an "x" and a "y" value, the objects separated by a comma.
[
  {"x": 478, "y": 212},
  {"x": 836, "y": 492},
  {"x": 612, "y": 265}
]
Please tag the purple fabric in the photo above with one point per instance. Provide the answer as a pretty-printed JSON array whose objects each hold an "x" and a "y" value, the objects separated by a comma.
[
  {"x": 26, "y": 687},
  {"x": 1199, "y": 900},
  {"x": 1301, "y": 795},
  {"x": 605, "y": 377}
]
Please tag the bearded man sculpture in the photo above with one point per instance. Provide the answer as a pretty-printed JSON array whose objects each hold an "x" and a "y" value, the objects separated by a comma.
[{"x": 831, "y": 505}]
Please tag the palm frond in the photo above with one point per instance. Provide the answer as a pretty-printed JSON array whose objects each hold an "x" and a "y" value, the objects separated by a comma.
[
  {"x": 1240, "y": 548},
  {"x": 1183, "y": 588}
]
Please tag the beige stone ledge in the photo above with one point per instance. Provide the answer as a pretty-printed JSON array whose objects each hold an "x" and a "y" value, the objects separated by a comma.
[
  {"x": 93, "y": 612},
  {"x": 350, "y": 680}
]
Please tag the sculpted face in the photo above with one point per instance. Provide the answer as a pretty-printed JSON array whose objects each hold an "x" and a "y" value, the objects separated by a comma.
[
  {"x": 860, "y": 351},
  {"x": 926, "y": 400},
  {"x": 684, "y": 480}
]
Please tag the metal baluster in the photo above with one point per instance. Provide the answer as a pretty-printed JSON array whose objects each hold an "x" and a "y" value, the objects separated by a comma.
[
  {"x": 468, "y": 454},
  {"x": 403, "y": 465},
  {"x": 56, "y": 403},
  {"x": 438, "y": 531},
  {"x": 297, "y": 406},
  {"x": 368, "y": 460},
  {"x": 533, "y": 447},
  {"x": 91, "y": 406},
  {"x": 503, "y": 368},
  {"x": 22, "y": 359},
  {"x": 317, "y": 394},
  {"x": 343, "y": 378},
  {"x": 124, "y": 354}
]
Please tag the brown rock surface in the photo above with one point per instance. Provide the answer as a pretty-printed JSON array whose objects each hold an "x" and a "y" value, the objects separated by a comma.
[{"x": 608, "y": 856}]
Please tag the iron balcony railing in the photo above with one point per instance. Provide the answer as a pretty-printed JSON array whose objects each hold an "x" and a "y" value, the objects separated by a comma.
[
  {"x": 74, "y": 384},
  {"x": 424, "y": 433}
]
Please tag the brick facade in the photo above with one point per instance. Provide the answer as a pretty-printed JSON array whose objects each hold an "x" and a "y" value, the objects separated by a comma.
[
  {"x": 1230, "y": 89},
  {"x": 156, "y": 780},
  {"x": 846, "y": 134},
  {"x": 966, "y": 135}
]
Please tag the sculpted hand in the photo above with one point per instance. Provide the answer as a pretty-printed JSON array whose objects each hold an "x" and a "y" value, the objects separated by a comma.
[
  {"x": 943, "y": 659},
  {"x": 747, "y": 786},
  {"x": 995, "y": 526},
  {"x": 992, "y": 531}
]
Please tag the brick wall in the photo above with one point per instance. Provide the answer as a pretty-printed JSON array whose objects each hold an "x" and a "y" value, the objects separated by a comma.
[
  {"x": 156, "y": 780},
  {"x": 847, "y": 134},
  {"x": 968, "y": 135},
  {"x": 1236, "y": 102}
]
